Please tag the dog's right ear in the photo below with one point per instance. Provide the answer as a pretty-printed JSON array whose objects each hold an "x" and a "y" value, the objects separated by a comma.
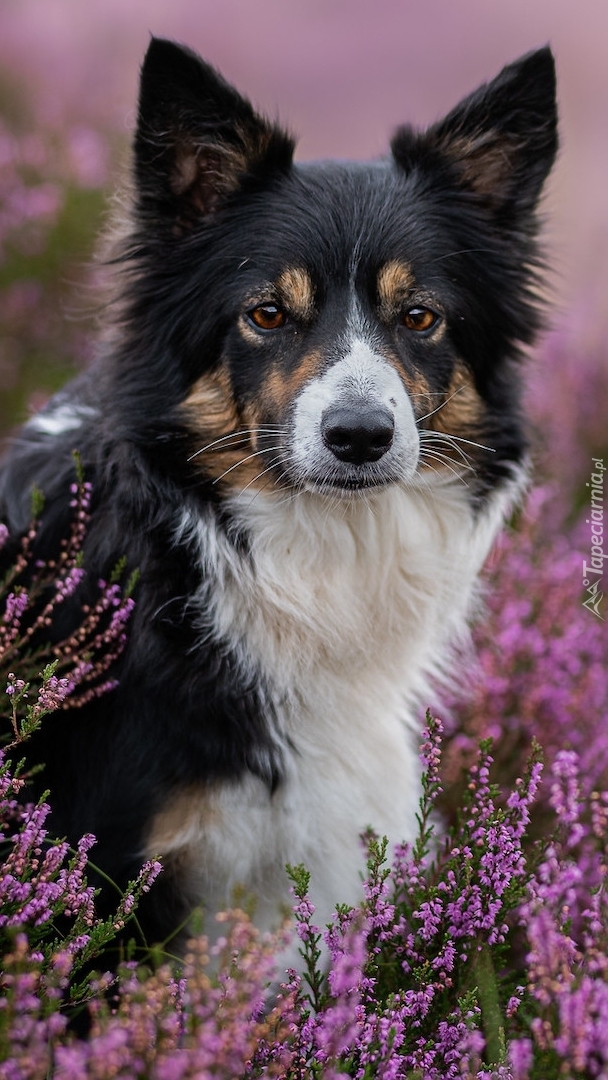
[{"x": 198, "y": 140}]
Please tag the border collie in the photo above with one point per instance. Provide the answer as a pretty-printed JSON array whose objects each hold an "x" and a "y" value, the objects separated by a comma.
[{"x": 303, "y": 428}]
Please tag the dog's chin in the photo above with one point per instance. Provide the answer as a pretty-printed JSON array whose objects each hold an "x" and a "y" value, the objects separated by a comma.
[
  {"x": 355, "y": 485},
  {"x": 340, "y": 480}
]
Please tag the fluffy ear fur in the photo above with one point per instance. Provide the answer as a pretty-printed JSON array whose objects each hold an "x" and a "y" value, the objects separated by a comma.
[
  {"x": 197, "y": 139},
  {"x": 500, "y": 141}
]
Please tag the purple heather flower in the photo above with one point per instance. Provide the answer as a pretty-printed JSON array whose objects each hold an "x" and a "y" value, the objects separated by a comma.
[
  {"x": 520, "y": 1058},
  {"x": 16, "y": 604},
  {"x": 53, "y": 693},
  {"x": 67, "y": 586},
  {"x": 14, "y": 685}
]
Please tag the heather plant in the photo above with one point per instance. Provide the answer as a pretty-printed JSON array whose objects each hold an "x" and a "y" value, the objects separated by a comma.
[
  {"x": 413, "y": 988},
  {"x": 471, "y": 956},
  {"x": 34, "y": 594},
  {"x": 541, "y": 656},
  {"x": 49, "y": 931},
  {"x": 564, "y": 1022}
]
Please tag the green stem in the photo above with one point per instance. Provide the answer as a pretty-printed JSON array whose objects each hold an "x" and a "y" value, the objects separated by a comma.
[{"x": 484, "y": 976}]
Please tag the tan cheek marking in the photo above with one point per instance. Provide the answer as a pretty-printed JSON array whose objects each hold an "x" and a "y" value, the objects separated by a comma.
[
  {"x": 210, "y": 404},
  {"x": 211, "y": 416},
  {"x": 395, "y": 280},
  {"x": 281, "y": 388},
  {"x": 418, "y": 389},
  {"x": 461, "y": 415},
  {"x": 297, "y": 292},
  {"x": 463, "y": 410}
]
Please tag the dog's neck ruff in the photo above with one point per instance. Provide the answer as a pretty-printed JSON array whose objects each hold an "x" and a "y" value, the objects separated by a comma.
[{"x": 362, "y": 589}]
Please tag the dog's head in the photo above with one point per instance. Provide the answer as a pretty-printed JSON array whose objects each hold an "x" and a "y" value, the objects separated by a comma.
[{"x": 333, "y": 326}]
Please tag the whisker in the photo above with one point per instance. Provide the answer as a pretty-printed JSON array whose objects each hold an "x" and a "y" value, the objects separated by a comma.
[
  {"x": 429, "y": 393},
  {"x": 275, "y": 461},
  {"x": 459, "y": 438},
  {"x": 290, "y": 494},
  {"x": 435, "y": 439},
  {"x": 433, "y": 454},
  {"x": 437, "y": 454},
  {"x": 444, "y": 442},
  {"x": 239, "y": 435},
  {"x": 242, "y": 461},
  {"x": 448, "y": 435},
  {"x": 462, "y": 251},
  {"x": 443, "y": 404}
]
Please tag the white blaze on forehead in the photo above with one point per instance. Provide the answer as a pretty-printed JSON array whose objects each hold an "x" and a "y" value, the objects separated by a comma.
[{"x": 361, "y": 379}]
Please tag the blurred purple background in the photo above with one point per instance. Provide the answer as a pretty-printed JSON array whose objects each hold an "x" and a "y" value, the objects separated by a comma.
[{"x": 342, "y": 74}]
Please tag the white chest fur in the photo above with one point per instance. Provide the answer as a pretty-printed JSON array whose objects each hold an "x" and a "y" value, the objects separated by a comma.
[{"x": 349, "y": 609}]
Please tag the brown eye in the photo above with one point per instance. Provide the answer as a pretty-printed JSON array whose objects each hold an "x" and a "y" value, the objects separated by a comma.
[
  {"x": 420, "y": 319},
  {"x": 267, "y": 317}
]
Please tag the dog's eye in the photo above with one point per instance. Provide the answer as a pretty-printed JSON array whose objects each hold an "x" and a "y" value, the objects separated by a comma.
[
  {"x": 267, "y": 317},
  {"x": 420, "y": 319}
]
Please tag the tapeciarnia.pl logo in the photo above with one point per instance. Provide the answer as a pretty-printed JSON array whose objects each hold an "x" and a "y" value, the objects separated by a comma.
[{"x": 594, "y": 569}]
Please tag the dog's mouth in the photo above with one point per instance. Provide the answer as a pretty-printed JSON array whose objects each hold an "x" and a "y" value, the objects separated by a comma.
[
  {"x": 348, "y": 486},
  {"x": 328, "y": 474}
]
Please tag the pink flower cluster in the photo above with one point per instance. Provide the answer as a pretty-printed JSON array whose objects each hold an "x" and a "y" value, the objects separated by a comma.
[
  {"x": 48, "y": 929},
  {"x": 419, "y": 981},
  {"x": 34, "y": 592},
  {"x": 542, "y": 656},
  {"x": 566, "y": 920}
]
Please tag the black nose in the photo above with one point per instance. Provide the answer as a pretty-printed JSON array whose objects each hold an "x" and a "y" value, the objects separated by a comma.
[{"x": 357, "y": 434}]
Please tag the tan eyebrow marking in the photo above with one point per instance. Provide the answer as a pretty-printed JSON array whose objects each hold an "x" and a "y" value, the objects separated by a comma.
[
  {"x": 395, "y": 280},
  {"x": 297, "y": 292}
]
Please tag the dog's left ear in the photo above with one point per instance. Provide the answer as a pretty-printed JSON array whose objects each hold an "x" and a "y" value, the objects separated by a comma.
[
  {"x": 198, "y": 140},
  {"x": 501, "y": 141}
]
